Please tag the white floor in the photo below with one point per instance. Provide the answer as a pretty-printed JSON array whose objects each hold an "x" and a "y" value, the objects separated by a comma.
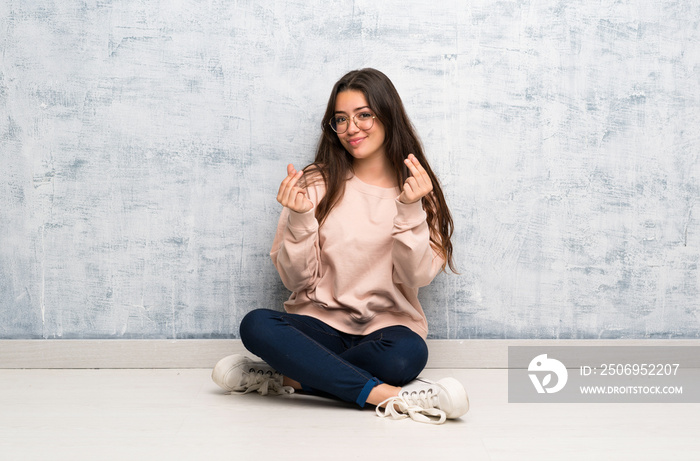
[{"x": 181, "y": 415}]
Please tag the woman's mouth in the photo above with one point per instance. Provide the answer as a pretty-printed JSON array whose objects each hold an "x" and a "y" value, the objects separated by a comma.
[{"x": 356, "y": 142}]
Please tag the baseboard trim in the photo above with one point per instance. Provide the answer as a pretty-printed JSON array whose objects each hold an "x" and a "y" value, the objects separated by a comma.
[{"x": 205, "y": 353}]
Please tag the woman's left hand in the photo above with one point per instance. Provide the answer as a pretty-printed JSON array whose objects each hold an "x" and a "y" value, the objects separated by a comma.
[{"x": 418, "y": 185}]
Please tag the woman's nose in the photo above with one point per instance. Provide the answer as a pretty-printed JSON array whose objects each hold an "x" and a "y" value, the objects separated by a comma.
[{"x": 352, "y": 127}]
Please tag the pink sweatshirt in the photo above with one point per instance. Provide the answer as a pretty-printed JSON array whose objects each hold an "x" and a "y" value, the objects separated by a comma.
[{"x": 361, "y": 270}]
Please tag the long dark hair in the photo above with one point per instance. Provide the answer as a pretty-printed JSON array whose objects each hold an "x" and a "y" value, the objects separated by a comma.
[{"x": 334, "y": 163}]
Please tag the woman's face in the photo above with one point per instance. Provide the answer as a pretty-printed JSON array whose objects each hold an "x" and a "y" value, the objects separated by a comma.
[{"x": 361, "y": 143}]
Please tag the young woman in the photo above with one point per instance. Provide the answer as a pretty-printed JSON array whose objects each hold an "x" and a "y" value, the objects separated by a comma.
[{"x": 362, "y": 228}]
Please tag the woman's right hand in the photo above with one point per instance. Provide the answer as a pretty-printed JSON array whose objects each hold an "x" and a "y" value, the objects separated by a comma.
[{"x": 290, "y": 195}]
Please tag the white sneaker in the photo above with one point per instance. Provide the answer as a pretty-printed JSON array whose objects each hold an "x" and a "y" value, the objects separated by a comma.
[
  {"x": 238, "y": 374},
  {"x": 427, "y": 402}
]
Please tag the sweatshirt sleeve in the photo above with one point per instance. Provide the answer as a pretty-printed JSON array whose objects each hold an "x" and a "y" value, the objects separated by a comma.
[
  {"x": 416, "y": 263},
  {"x": 295, "y": 249}
]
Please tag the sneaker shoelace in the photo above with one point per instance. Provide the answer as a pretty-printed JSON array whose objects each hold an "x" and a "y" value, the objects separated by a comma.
[
  {"x": 419, "y": 406},
  {"x": 264, "y": 383}
]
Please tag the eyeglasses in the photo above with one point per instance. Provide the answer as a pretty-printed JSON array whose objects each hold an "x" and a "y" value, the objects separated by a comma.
[{"x": 362, "y": 120}]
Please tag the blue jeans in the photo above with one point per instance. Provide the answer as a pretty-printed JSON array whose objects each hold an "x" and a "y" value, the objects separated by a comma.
[{"x": 326, "y": 361}]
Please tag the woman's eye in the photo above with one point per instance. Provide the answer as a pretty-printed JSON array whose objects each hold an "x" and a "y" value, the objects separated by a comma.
[
  {"x": 364, "y": 115},
  {"x": 339, "y": 120}
]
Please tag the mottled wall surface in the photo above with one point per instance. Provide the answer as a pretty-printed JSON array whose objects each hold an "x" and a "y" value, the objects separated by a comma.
[{"x": 142, "y": 144}]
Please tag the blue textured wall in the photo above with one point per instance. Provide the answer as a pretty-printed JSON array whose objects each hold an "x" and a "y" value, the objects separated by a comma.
[{"x": 142, "y": 144}]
